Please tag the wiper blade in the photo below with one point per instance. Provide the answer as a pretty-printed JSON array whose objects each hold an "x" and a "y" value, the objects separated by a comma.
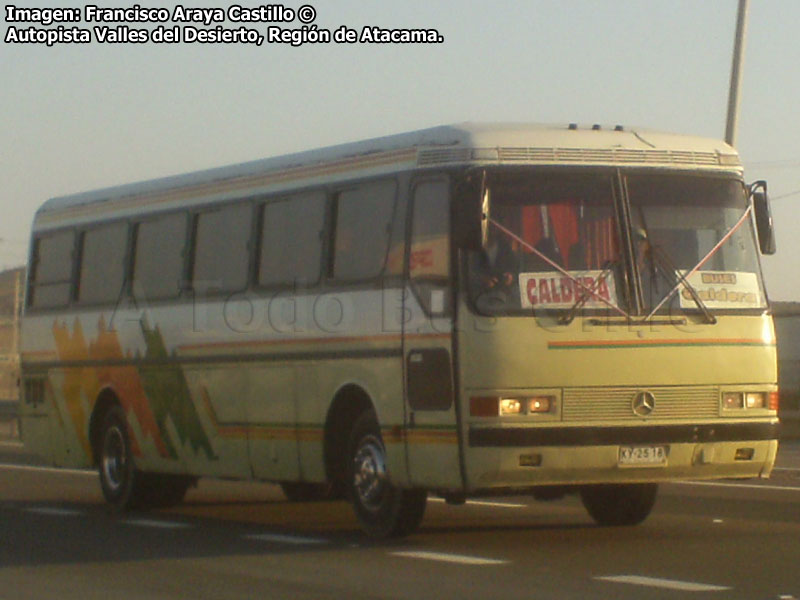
[
  {"x": 683, "y": 277},
  {"x": 665, "y": 262},
  {"x": 579, "y": 284},
  {"x": 583, "y": 298}
]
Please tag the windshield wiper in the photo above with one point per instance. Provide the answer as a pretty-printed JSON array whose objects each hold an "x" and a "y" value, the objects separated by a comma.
[
  {"x": 570, "y": 314},
  {"x": 683, "y": 277},
  {"x": 579, "y": 284},
  {"x": 660, "y": 260}
]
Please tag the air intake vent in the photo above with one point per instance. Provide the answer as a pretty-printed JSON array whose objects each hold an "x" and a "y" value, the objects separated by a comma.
[
  {"x": 602, "y": 156},
  {"x": 442, "y": 156}
]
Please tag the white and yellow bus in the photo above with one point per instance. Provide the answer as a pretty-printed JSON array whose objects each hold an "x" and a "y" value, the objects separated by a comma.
[{"x": 464, "y": 310}]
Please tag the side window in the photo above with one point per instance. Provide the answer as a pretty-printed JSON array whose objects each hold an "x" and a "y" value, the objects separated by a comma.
[
  {"x": 52, "y": 270},
  {"x": 291, "y": 240},
  {"x": 102, "y": 271},
  {"x": 430, "y": 227},
  {"x": 221, "y": 250},
  {"x": 429, "y": 255},
  {"x": 363, "y": 228},
  {"x": 158, "y": 261}
]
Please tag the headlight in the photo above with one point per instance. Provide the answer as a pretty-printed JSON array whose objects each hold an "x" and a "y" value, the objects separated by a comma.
[
  {"x": 510, "y": 406},
  {"x": 504, "y": 406},
  {"x": 750, "y": 401},
  {"x": 733, "y": 400},
  {"x": 541, "y": 404},
  {"x": 755, "y": 400}
]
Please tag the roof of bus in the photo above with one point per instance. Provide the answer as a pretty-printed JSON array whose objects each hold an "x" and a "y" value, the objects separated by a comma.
[{"x": 506, "y": 136}]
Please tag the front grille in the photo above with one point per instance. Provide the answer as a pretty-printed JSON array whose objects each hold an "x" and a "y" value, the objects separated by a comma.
[{"x": 615, "y": 404}]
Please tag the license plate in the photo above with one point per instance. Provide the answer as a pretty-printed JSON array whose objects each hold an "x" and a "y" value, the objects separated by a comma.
[{"x": 643, "y": 455}]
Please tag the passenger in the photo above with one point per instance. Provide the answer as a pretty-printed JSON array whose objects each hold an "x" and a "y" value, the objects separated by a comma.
[{"x": 495, "y": 272}]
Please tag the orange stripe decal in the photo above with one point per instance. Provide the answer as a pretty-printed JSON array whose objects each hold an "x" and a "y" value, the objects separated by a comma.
[
  {"x": 315, "y": 341},
  {"x": 588, "y": 344}
]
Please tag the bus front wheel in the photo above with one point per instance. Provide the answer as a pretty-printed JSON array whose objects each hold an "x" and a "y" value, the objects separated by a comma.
[
  {"x": 382, "y": 509},
  {"x": 619, "y": 504}
]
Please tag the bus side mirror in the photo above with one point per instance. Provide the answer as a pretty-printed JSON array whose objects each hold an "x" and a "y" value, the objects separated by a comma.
[{"x": 763, "y": 213}]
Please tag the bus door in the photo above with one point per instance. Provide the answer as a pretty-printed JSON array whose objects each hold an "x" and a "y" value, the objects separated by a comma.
[{"x": 431, "y": 426}]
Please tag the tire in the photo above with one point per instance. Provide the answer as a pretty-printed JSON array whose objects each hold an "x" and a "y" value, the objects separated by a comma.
[
  {"x": 616, "y": 505},
  {"x": 122, "y": 484},
  {"x": 301, "y": 491},
  {"x": 382, "y": 509}
]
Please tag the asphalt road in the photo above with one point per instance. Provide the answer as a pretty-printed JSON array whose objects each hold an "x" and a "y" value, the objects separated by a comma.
[{"x": 236, "y": 540}]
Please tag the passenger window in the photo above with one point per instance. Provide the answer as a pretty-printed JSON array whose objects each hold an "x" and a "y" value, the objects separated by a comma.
[
  {"x": 52, "y": 270},
  {"x": 429, "y": 256},
  {"x": 430, "y": 251},
  {"x": 291, "y": 240},
  {"x": 102, "y": 272},
  {"x": 158, "y": 261},
  {"x": 363, "y": 228},
  {"x": 221, "y": 252}
]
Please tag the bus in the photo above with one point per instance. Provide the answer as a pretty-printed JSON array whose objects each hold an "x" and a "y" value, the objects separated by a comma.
[{"x": 460, "y": 311}]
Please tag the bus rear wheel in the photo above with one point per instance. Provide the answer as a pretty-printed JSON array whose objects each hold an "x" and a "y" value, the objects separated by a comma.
[
  {"x": 124, "y": 486},
  {"x": 619, "y": 504},
  {"x": 121, "y": 482},
  {"x": 382, "y": 509}
]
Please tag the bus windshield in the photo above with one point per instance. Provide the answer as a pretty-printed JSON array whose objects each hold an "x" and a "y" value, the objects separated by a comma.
[
  {"x": 553, "y": 242},
  {"x": 564, "y": 236},
  {"x": 678, "y": 222}
]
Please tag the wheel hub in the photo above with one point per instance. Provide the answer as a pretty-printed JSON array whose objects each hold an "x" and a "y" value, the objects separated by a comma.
[
  {"x": 114, "y": 459},
  {"x": 369, "y": 474}
]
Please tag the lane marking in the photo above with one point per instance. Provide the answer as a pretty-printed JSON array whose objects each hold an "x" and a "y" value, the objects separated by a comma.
[
  {"x": 795, "y": 469},
  {"x": 749, "y": 486},
  {"x": 668, "y": 584},
  {"x": 156, "y": 524},
  {"x": 486, "y": 503},
  {"x": 48, "y": 469},
  {"x": 451, "y": 558},
  {"x": 285, "y": 539},
  {"x": 53, "y": 511}
]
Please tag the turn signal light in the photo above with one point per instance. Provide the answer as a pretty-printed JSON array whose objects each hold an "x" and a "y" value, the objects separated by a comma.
[
  {"x": 774, "y": 401},
  {"x": 484, "y": 406}
]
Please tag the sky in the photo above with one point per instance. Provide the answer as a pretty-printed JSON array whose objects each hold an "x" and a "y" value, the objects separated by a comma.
[{"x": 77, "y": 117}]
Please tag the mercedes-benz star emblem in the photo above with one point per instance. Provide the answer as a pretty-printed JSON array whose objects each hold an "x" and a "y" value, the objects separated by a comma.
[{"x": 643, "y": 405}]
